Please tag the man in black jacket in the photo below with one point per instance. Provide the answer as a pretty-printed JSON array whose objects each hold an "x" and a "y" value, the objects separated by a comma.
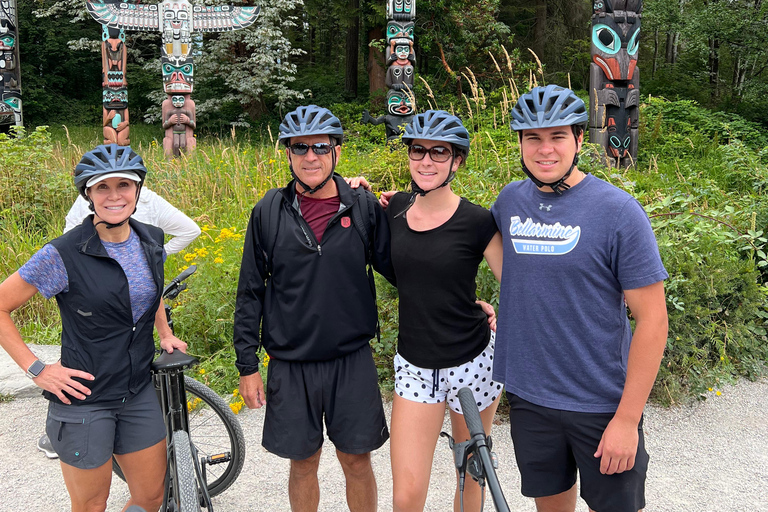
[{"x": 305, "y": 296}]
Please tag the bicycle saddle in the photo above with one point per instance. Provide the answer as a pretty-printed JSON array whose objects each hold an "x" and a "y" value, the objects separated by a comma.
[{"x": 173, "y": 361}]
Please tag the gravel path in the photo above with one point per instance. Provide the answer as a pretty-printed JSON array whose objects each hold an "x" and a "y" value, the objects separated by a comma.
[{"x": 711, "y": 456}]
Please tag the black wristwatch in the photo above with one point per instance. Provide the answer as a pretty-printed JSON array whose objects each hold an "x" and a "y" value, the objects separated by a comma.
[{"x": 35, "y": 369}]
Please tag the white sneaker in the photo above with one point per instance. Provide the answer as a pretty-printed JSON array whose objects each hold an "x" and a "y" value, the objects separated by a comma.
[{"x": 45, "y": 446}]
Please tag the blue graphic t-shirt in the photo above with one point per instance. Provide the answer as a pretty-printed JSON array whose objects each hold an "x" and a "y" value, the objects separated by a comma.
[{"x": 563, "y": 335}]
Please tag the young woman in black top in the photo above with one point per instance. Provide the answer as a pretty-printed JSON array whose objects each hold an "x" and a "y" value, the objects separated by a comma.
[{"x": 445, "y": 341}]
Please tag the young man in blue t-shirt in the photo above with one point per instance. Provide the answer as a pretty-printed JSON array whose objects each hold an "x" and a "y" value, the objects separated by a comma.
[{"x": 577, "y": 252}]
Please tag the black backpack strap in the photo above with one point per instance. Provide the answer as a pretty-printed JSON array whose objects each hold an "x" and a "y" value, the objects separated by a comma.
[
  {"x": 361, "y": 218},
  {"x": 271, "y": 202}
]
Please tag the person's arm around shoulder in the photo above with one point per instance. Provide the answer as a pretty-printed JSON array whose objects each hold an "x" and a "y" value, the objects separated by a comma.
[
  {"x": 382, "y": 257},
  {"x": 77, "y": 213},
  {"x": 618, "y": 446},
  {"x": 172, "y": 221},
  {"x": 14, "y": 293}
]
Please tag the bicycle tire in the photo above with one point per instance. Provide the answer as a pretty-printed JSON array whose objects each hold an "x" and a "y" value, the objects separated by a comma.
[
  {"x": 214, "y": 428},
  {"x": 211, "y": 433},
  {"x": 185, "y": 480}
]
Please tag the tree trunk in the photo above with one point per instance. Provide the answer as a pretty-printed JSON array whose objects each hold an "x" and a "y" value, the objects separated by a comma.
[
  {"x": 376, "y": 73},
  {"x": 714, "y": 64},
  {"x": 540, "y": 28},
  {"x": 655, "y": 53},
  {"x": 670, "y": 55},
  {"x": 353, "y": 48}
]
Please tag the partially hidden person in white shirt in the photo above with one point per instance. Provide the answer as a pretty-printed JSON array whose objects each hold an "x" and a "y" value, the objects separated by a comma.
[{"x": 150, "y": 209}]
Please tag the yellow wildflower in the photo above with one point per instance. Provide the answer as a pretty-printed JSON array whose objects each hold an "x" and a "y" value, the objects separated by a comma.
[
  {"x": 189, "y": 257},
  {"x": 202, "y": 371},
  {"x": 218, "y": 260},
  {"x": 718, "y": 393}
]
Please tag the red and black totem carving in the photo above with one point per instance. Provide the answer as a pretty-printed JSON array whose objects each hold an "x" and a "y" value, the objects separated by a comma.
[
  {"x": 114, "y": 56},
  {"x": 400, "y": 60},
  {"x": 614, "y": 95},
  {"x": 177, "y": 20},
  {"x": 10, "y": 69}
]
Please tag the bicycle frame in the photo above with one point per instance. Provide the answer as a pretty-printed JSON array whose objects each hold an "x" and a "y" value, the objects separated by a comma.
[
  {"x": 169, "y": 383},
  {"x": 482, "y": 465}
]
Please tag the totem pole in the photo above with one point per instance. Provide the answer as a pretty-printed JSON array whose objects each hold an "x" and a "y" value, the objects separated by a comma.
[
  {"x": 614, "y": 94},
  {"x": 400, "y": 59},
  {"x": 114, "y": 85},
  {"x": 176, "y": 20},
  {"x": 10, "y": 69}
]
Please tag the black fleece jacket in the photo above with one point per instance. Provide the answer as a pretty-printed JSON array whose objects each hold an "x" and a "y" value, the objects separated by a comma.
[{"x": 316, "y": 304}]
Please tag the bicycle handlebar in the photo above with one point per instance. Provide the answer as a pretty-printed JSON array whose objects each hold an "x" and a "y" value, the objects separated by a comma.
[
  {"x": 173, "y": 288},
  {"x": 481, "y": 449},
  {"x": 471, "y": 414}
]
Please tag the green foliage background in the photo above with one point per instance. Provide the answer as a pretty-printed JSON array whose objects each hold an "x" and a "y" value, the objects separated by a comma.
[{"x": 701, "y": 175}]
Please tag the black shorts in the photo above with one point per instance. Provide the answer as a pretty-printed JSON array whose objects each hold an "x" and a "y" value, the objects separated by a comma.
[
  {"x": 344, "y": 390},
  {"x": 550, "y": 445}
]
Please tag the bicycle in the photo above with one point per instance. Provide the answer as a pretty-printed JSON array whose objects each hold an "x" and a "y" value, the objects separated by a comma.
[
  {"x": 483, "y": 463},
  {"x": 206, "y": 446}
]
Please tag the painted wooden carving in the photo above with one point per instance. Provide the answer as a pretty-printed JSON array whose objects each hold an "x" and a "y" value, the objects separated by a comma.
[
  {"x": 176, "y": 20},
  {"x": 10, "y": 70},
  {"x": 400, "y": 59},
  {"x": 614, "y": 95}
]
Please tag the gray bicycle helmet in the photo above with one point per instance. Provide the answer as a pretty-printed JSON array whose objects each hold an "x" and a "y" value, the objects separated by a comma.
[
  {"x": 547, "y": 107},
  {"x": 310, "y": 120},
  {"x": 108, "y": 159},
  {"x": 438, "y": 125}
]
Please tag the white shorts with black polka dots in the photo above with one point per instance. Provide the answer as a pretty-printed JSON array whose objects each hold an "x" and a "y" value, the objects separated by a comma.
[{"x": 430, "y": 386}]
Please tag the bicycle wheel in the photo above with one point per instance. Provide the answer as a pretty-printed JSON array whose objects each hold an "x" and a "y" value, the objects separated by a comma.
[
  {"x": 214, "y": 430},
  {"x": 183, "y": 475}
]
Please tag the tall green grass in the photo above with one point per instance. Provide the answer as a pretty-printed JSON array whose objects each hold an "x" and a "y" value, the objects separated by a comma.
[{"x": 704, "y": 190}]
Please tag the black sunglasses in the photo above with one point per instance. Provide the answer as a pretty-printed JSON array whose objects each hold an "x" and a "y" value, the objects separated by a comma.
[
  {"x": 301, "y": 148},
  {"x": 436, "y": 153}
]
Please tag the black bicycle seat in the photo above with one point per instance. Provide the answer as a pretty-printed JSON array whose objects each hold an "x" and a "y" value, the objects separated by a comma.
[{"x": 173, "y": 361}]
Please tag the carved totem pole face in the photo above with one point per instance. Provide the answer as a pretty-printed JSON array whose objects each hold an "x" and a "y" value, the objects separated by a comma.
[
  {"x": 10, "y": 107},
  {"x": 177, "y": 78},
  {"x": 115, "y": 99},
  {"x": 178, "y": 101},
  {"x": 399, "y": 103},
  {"x": 615, "y": 43},
  {"x": 114, "y": 58},
  {"x": 176, "y": 22}
]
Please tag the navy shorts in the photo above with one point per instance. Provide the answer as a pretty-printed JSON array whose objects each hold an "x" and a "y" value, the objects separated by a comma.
[
  {"x": 550, "y": 445},
  {"x": 85, "y": 436},
  {"x": 343, "y": 391}
]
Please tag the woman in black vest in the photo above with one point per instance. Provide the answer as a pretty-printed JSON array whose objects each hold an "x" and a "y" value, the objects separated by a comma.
[{"x": 107, "y": 277}]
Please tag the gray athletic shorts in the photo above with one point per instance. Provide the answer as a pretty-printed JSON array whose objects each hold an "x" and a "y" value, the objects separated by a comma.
[{"x": 85, "y": 436}]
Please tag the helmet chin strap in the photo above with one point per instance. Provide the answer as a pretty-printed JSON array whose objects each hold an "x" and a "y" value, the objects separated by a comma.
[
  {"x": 557, "y": 186},
  {"x": 307, "y": 189},
  {"x": 418, "y": 191}
]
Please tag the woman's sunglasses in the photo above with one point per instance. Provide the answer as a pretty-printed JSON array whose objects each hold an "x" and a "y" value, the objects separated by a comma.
[
  {"x": 436, "y": 153},
  {"x": 301, "y": 149}
]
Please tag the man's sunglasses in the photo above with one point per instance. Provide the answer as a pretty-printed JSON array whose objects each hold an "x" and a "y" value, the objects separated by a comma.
[
  {"x": 319, "y": 149},
  {"x": 436, "y": 153}
]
